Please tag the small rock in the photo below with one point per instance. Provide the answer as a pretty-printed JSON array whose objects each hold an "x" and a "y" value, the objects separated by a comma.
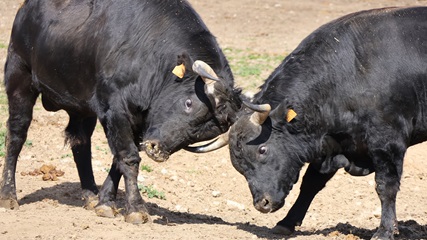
[
  {"x": 190, "y": 184},
  {"x": 140, "y": 178},
  {"x": 377, "y": 212},
  {"x": 216, "y": 193},
  {"x": 181, "y": 208},
  {"x": 233, "y": 204},
  {"x": 173, "y": 178}
]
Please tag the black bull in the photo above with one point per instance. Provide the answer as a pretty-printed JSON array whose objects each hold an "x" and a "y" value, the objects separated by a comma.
[
  {"x": 113, "y": 61},
  {"x": 353, "y": 95}
]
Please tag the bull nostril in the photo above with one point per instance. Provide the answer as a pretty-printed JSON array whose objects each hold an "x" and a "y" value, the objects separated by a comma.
[
  {"x": 151, "y": 145},
  {"x": 153, "y": 148},
  {"x": 265, "y": 203}
]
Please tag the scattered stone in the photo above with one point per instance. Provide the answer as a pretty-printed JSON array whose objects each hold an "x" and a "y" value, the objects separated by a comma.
[
  {"x": 233, "y": 204},
  {"x": 377, "y": 212},
  {"x": 216, "y": 193},
  {"x": 173, "y": 178},
  {"x": 190, "y": 184},
  {"x": 140, "y": 178},
  {"x": 181, "y": 208}
]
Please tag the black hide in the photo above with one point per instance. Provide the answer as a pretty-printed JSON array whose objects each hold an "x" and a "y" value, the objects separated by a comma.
[{"x": 358, "y": 86}]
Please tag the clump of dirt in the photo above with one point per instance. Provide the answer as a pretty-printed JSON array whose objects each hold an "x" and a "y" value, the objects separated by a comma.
[{"x": 49, "y": 172}]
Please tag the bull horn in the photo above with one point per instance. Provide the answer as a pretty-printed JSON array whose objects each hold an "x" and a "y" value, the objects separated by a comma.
[
  {"x": 260, "y": 112},
  {"x": 205, "y": 71},
  {"x": 218, "y": 143}
]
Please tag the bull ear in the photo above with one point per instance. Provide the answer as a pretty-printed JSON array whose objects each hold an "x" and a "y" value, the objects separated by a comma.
[
  {"x": 183, "y": 63},
  {"x": 283, "y": 112},
  {"x": 260, "y": 114},
  {"x": 207, "y": 73},
  {"x": 179, "y": 70}
]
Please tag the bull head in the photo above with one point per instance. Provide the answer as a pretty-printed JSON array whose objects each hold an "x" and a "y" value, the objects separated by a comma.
[
  {"x": 260, "y": 114},
  {"x": 211, "y": 109}
]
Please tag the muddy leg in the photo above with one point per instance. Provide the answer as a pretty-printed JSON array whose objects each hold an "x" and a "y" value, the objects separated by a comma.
[
  {"x": 388, "y": 171},
  {"x": 21, "y": 98},
  {"x": 126, "y": 164}
]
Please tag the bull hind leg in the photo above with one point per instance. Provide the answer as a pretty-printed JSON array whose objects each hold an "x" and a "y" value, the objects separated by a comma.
[
  {"x": 21, "y": 98},
  {"x": 78, "y": 134}
]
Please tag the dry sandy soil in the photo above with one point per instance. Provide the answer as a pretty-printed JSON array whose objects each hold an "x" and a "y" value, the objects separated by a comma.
[{"x": 205, "y": 197}]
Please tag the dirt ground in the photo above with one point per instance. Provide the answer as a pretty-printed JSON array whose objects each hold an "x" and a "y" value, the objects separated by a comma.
[{"x": 205, "y": 197}]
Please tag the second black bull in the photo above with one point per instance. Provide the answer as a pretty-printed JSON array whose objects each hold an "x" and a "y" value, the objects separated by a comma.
[
  {"x": 113, "y": 61},
  {"x": 352, "y": 95}
]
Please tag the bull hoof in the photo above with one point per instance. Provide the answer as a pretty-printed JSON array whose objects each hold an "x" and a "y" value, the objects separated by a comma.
[
  {"x": 137, "y": 217},
  {"x": 382, "y": 237},
  {"x": 9, "y": 204},
  {"x": 282, "y": 230},
  {"x": 106, "y": 211},
  {"x": 90, "y": 202}
]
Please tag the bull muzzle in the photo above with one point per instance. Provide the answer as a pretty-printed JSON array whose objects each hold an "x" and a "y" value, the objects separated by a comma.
[
  {"x": 153, "y": 150},
  {"x": 264, "y": 204}
]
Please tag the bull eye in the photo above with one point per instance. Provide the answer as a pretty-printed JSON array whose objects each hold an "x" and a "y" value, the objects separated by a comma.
[
  {"x": 188, "y": 104},
  {"x": 262, "y": 150}
]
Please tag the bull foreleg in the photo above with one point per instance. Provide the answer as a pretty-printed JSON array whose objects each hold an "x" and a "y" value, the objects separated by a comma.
[
  {"x": 313, "y": 181},
  {"x": 388, "y": 171},
  {"x": 126, "y": 163}
]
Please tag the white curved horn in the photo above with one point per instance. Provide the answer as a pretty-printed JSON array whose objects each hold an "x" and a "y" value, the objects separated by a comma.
[
  {"x": 260, "y": 112},
  {"x": 218, "y": 143},
  {"x": 205, "y": 71}
]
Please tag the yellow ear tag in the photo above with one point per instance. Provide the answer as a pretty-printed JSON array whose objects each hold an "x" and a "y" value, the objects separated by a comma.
[
  {"x": 290, "y": 115},
  {"x": 179, "y": 71}
]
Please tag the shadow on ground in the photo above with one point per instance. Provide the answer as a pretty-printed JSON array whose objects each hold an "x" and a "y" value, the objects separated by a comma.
[{"x": 70, "y": 194}]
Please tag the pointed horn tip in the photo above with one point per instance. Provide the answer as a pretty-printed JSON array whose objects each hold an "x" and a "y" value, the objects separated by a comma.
[
  {"x": 267, "y": 107},
  {"x": 203, "y": 69},
  {"x": 215, "y": 144},
  {"x": 258, "y": 107}
]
